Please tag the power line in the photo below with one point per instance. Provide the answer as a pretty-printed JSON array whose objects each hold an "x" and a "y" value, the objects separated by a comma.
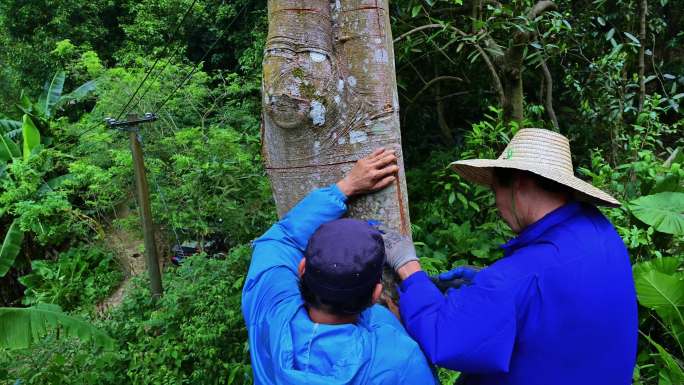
[
  {"x": 130, "y": 100},
  {"x": 168, "y": 42},
  {"x": 196, "y": 66},
  {"x": 161, "y": 71},
  {"x": 185, "y": 79}
]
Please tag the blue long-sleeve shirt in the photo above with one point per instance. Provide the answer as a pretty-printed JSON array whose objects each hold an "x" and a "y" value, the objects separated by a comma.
[
  {"x": 286, "y": 347},
  {"x": 559, "y": 308}
]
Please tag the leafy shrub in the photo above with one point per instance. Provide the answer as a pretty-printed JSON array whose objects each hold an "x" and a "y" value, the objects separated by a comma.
[
  {"x": 213, "y": 185},
  {"x": 80, "y": 276},
  {"x": 193, "y": 334}
]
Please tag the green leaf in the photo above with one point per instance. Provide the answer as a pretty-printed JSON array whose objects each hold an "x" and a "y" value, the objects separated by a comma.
[
  {"x": 8, "y": 149},
  {"x": 415, "y": 10},
  {"x": 665, "y": 265},
  {"x": 632, "y": 38},
  {"x": 664, "y": 211},
  {"x": 31, "y": 136},
  {"x": 674, "y": 369},
  {"x": 52, "y": 91},
  {"x": 20, "y": 327},
  {"x": 7, "y": 125},
  {"x": 10, "y": 247},
  {"x": 54, "y": 183},
  {"x": 657, "y": 290},
  {"x": 79, "y": 93}
]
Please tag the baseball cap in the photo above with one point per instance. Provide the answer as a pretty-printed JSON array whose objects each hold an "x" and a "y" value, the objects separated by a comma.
[{"x": 344, "y": 259}]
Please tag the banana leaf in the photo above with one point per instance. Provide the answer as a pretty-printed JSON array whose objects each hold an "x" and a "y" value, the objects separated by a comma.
[
  {"x": 10, "y": 247},
  {"x": 20, "y": 327},
  {"x": 52, "y": 92},
  {"x": 8, "y": 149},
  {"x": 9, "y": 125},
  {"x": 31, "y": 136}
]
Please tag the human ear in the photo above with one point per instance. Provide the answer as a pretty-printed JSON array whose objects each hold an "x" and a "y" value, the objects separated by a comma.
[
  {"x": 377, "y": 292},
  {"x": 301, "y": 267}
]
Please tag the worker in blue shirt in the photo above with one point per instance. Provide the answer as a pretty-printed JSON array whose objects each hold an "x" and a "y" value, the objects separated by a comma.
[
  {"x": 559, "y": 308},
  {"x": 308, "y": 300}
]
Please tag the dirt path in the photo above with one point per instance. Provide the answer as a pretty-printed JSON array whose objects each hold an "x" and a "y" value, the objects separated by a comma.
[{"x": 128, "y": 248}]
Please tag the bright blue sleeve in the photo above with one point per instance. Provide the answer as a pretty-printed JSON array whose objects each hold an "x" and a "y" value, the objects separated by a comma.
[
  {"x": 282, "y": 247},
  {"x": 471, "y": 329},
  {"x": 418, "y": 371}
]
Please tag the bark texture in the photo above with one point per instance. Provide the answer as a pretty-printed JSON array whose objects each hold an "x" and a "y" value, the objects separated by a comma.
[{"x": 330, "y": 98}]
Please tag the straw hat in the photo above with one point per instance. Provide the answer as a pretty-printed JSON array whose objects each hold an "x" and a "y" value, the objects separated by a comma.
[{"x": 543, "y": 152}]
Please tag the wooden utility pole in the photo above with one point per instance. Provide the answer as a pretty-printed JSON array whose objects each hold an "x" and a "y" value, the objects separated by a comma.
[{"x": 143, "y": 195}]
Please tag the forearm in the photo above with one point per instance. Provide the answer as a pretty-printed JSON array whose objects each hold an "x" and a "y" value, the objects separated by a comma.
[
  {"x": 470, "y": 329},
  {"x": 284, "y": 243},
  {"x": 408, "y": 269}
]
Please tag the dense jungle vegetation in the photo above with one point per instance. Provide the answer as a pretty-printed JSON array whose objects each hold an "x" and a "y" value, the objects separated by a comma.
[{"x": 607, "y": 74}]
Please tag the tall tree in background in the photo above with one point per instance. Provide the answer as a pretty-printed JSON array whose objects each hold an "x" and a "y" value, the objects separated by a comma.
[{"x": 329, "y": 98}]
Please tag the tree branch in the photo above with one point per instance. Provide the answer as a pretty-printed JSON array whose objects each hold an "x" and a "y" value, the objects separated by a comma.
[
  {"x": 417, "y": 29},
  {"x": 431, "y": 83},
  {"x": 540, "y": 8},
  {"x": 548, "y": 97},
  {"x": 492, "y": 69}
]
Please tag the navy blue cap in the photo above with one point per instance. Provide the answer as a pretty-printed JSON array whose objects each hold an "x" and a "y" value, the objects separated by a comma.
[{"x": 344, "y": 259}]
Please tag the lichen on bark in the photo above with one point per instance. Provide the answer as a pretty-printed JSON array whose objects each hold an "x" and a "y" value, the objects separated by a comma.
[{"x": 330, "y": 98}]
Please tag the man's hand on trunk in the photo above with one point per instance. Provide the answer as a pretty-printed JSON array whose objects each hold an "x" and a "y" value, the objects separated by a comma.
[{"x": 371, "y": 173}]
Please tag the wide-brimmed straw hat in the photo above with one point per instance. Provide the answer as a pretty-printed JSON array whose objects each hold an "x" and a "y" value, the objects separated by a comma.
[{"x": 542, "y": 152}]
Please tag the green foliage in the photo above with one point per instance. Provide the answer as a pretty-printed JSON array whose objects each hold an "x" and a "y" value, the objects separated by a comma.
[
  {"x": 664, "y": 211},
  {"x": 194, "y": 334},
  {"x": 213, "y": 185},
  {"x": 52, "y": 92},
  {"x": 660, "y": 287},
  {"x": 31, "y": 137},
  {"x": 81, "y": 276},
  {"x": 20, "y": 327},
  {"x": 10, "y": 247}
]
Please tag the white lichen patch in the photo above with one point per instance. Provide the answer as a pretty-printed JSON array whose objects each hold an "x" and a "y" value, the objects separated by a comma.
[
  {"x": 380, "y": 55},
  {"x": 352, "y": 81},
  {"x": 337, "y": 99},
  {"x": 340, "y": 85},
  {"x": 317, "y": 113},
  {"x": 341, "y": 140},
  {"x": 293, "y": 89},
  {"x": 316, "y": 57},
  {"x": 316, "y": 147},
  {"x": 357, "y": 136}
]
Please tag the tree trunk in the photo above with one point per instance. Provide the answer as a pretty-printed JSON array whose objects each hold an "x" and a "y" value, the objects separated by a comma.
[
  {"x": 642, "y": 46},
  {"x": 511, "y": 79},
  {"x": 329, "y": 98}
]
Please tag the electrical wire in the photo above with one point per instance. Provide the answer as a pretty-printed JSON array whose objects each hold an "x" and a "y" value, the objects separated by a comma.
[
  {"x": 196, "y": 66},
  {"x": 147, "y": 75},
  {"x": 130, "y": 100},
  {"x": 161, "y": 71}
]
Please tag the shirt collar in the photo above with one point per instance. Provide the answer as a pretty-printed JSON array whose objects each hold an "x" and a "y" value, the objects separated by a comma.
[{"x": 535, "y": 230}]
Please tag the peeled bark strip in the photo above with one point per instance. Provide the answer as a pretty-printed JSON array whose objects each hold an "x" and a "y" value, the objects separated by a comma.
[{"x": 329, "y": 99}]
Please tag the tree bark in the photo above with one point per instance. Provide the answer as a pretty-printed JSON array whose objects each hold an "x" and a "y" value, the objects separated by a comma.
[
  {"x": 642, "y": 46},
  {"x": 329, "y": 98},
  {"x": 511, "y": 66},
  {"x": 548, "y": 95}
]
